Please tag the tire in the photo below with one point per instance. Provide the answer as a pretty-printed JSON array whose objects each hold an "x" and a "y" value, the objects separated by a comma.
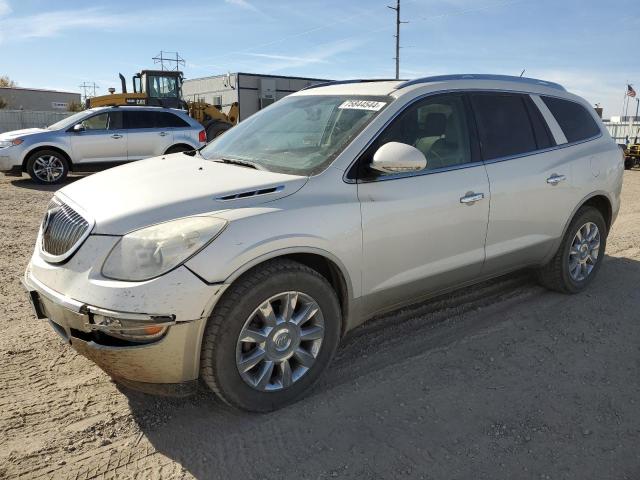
[
  {"x": 628, "y": 163},
  {"x": 559, "y": 273},
  {"x": 178, "y": 149},
  {"x": 215, "y": 129},
  {"x": 47, "y": 167},
  {"x": 223, "y": 350}
]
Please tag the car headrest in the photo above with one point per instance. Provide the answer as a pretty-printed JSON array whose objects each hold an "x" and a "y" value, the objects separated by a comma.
[{"x": 434, "y": 125}]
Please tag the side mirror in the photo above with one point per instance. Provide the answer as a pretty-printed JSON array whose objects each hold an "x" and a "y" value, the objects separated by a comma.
[
  {"x": 394, "y": 157},
  {"x": 78, "y": 128}
]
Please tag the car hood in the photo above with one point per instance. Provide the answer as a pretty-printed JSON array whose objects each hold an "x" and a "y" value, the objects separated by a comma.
[
  {"x": 21, "y": 133},
  {"x": 159, "y": 189}
]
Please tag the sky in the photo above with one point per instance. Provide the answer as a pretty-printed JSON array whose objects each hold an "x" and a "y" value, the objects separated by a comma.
[{"x": 589, "y": 46}]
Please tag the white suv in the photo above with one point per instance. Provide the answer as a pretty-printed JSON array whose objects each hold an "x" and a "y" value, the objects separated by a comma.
[{"x": 246, "y": 264}]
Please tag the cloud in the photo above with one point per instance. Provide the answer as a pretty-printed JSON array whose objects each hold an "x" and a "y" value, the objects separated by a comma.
[
  {"x": 322, "y": 53},
  {"x": 5, "y": 8},
  {"x": 242, "y": 4},
  {"x": 59, "y": 22},
  {"x": 288, "y": 58}
]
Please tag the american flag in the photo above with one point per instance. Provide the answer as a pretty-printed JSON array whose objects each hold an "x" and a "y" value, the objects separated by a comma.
[{"x": 630, "y": 91}]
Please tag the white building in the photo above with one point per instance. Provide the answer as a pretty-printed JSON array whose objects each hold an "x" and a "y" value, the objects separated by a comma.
[{"x": 251, "y": 91}]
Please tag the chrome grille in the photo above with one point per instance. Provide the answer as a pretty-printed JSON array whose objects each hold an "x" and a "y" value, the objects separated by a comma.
[{"x": 62, "y": 229}]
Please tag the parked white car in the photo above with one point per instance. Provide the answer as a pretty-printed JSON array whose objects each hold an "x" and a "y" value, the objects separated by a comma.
[
  {"x": 246, "y": 264},
  {"x": 96, "y": 139}
]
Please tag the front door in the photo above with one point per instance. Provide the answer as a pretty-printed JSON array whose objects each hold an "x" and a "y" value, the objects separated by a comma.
[
  {"x": 424, "y": 231},
  {"x": 102, "y": 140}
]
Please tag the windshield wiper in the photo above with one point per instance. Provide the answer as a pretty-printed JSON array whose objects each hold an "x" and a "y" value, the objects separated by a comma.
[{"x": 242, "y": 163}]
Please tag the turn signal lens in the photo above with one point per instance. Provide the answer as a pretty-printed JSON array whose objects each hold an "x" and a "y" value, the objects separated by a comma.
[
  {"x": 153, "y": 330},
  {"x": 16, "y": 141}
]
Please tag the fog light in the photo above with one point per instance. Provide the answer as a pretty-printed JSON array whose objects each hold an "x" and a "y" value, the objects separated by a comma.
[{"x": 132, "y": 330}]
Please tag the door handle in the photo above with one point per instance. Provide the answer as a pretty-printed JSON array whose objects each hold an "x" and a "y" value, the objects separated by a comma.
[
  {"x": 556, "y": 179},
  {"x": 470, "y": 198},
  {"x": 163, "y": 134},
  {"x": 116, "y": 135}
]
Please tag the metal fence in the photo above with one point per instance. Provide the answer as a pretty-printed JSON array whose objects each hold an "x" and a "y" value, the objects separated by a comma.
[
  {"x": 624, "y": 132},
  {"x": 18, "y": 119}
]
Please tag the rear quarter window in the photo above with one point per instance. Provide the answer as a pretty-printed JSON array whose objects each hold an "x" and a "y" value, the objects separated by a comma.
[
  {"x": 574, "y": 120},
  {"x": 168, "y": 120}
]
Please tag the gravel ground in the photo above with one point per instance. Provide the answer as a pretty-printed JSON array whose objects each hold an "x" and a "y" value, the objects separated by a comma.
[{"x": 503, "y": 380}]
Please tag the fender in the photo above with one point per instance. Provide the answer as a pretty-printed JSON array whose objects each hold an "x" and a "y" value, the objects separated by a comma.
[{"x": 558, "y": 241}]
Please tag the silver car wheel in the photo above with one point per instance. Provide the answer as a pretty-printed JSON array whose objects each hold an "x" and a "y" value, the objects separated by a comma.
[
  {"x": 280, "y": 341},
  {"x": 48, "y": 168},
  {"x": 583, "y": 254}
]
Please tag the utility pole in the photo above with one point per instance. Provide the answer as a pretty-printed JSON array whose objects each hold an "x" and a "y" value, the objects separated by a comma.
[
  {"x": 397, "y": 36},
  {"x": 88, "y": 90}
]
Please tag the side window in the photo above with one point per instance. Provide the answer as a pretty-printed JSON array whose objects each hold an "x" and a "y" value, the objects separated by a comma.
[
  {"x": 576, "y": 123},
  {"x": 140, "y": 119},
  {"x": 503, "y": 123},
  {"x": 97, "y": 122},
  {"x": 437, "y": 126},
  {"x": 544, "y": 138},
  {"x": 115, "y": 120},
  {"x": 169, "y": 120}
]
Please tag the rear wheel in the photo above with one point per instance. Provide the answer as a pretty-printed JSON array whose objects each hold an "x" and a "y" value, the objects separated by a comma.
[
  {"x": 178, "y": 149},
  {"x": 271, "y": 336},
  {"x": 628, "y": 163},
  {"x": 47, "y": 167},
  {"x": 215, "y": 129},
  {"x": 580, "y": 254}
]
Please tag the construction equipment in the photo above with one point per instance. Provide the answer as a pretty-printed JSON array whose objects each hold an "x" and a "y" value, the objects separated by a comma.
[{"x": 164, "y": 89}]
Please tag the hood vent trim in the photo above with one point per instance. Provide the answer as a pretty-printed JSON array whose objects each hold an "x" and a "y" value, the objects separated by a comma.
[{"x": 251, "y": 193}]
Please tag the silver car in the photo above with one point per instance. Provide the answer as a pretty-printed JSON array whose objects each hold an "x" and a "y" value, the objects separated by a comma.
[
  {"x": 245, "y": 264},
  {"x": 98, "y": 138}
]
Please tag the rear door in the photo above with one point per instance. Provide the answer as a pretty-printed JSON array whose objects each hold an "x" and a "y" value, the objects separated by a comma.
[
  {"x": 146, "y": 137},
  {"x": 424, "y": 231},
  {"x": 531, "y": 186},
  {"x": 103, "y": 139}
]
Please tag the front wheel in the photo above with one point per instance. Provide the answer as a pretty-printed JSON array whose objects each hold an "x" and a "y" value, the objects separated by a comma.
[
  {"x": 580, "y": 254},
  {"x": 47, "y": 167},
  {"x": 271, "y": 336}
]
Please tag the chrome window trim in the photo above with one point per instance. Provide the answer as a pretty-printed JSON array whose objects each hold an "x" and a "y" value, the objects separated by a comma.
[
  {"x": 80, "y": 211},
  {"x": 462, "y": 165}
]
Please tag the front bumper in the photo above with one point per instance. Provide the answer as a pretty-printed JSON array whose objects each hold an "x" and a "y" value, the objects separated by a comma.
[
  {"x": 9, "y": 161},
  {"x": 168, "y": 366}
]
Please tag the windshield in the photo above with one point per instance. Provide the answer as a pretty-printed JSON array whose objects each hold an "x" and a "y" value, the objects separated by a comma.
[
  {"x": 300, "y": 135},
  {"x": 161, "y": 86},
  {"x": 68, "y": 121}
]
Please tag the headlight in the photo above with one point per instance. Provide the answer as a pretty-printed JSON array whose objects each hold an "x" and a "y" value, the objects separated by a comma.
[
  {"x": 152, "y": 251},
  {"x": 8, "y": 143}
]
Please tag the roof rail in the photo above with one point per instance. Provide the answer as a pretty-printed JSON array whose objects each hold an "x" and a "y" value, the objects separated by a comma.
[
  {"x": 355, "y": 80},
  {"x": 481, "y": 76}
]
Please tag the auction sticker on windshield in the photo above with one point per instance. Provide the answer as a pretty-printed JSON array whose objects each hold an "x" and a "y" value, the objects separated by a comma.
[{"x": 362, "y": 105}]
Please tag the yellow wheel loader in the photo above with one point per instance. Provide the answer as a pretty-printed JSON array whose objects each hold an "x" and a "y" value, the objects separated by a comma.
[{"x": 164, "y": 89}]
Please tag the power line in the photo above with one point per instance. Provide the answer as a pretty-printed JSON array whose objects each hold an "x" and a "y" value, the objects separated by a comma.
[
  {"x": 88, "y": 90},
  {"x": 397, "y": 36},
  {"x": 173, "y": 59}
]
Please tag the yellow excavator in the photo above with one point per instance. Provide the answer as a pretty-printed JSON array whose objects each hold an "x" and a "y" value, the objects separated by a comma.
[{"x": 163, "y": 88}]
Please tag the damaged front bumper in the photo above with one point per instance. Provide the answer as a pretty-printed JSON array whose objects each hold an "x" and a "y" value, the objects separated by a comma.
[{"x": 165, "y": 362}]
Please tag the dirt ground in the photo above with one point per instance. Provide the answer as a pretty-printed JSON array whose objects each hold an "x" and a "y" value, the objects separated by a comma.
[{"x": 504, "y": 380}]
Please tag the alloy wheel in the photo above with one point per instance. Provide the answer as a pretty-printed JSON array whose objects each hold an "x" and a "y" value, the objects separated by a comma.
[
  {"x": 280, "y": 341},
  {"x": 584, "y": 251},
  {"x": 48, "y": 168}
]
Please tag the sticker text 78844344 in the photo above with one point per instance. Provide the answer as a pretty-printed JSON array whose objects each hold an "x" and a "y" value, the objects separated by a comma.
[{"x": 362, "y": 105}]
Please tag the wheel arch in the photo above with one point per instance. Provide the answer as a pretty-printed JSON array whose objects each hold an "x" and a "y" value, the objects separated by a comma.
[
  {"x": 323, "y": 262},
  {"x": 599, "y": 200},
  {"x": 46, "y": 147},
  {"x": 180, "y": 144}
]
